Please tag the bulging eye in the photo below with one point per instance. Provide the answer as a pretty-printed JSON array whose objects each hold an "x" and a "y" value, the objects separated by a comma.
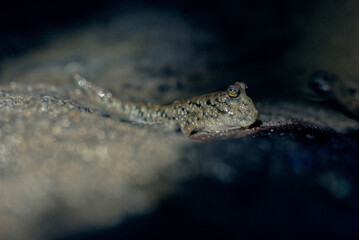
[{"x": 233, "y": 91}]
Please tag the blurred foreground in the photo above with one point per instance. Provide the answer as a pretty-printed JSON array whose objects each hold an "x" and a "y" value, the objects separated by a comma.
[{"x": 71, "y": 170}]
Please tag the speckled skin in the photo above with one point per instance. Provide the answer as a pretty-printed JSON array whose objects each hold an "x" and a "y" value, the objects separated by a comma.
[
  {"x": 214, "y": 112},
  {"x": 345, "y": 92}
]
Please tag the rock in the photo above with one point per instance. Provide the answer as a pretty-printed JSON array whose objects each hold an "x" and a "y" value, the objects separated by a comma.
[{"x": 71, "y": 170}]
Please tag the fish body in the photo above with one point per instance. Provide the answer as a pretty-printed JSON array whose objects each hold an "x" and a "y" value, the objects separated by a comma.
[
  {"x": 214, "y": 112},
  {"x": 328, "y": 86}
]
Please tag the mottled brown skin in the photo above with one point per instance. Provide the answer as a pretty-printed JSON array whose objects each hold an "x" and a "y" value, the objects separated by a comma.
[
  {"x": 214, "y": 112},
  {"x": 345, "y": 92}
]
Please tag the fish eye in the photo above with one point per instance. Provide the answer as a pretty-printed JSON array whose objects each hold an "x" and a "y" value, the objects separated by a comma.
[{"x": 233, "y": 91}]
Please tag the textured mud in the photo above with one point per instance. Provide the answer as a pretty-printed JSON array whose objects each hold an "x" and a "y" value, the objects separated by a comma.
[{"x": 69, "y": 169}]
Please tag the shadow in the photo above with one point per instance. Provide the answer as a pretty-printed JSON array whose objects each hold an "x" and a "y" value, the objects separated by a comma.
[{"x": 282, "y": 189}]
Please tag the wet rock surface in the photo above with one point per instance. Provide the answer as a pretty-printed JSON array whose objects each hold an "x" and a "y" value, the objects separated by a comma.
[{"x": 69, "y": 169}]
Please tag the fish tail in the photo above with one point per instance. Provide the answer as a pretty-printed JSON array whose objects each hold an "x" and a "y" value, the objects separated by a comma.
[{"x": 92, "y": 89}]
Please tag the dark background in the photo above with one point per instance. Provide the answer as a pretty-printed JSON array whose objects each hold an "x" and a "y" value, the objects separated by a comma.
[
  {"x": 255, "y": 34},
  {"x": 270, "y": 205},
  {"x": 240, "y": 22}
]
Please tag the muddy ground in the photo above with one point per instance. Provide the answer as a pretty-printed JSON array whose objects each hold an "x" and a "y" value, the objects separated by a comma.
[{"x": 70, "y": 169}]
